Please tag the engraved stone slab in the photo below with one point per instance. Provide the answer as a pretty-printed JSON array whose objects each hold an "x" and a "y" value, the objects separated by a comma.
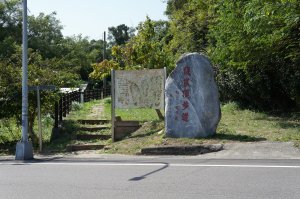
[{"x": 192, "y": 98}]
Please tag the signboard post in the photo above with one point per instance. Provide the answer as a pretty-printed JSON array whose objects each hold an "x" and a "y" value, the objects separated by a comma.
[
  {"x": 39, "y": 117},
  {"x": 113, "y": 113},
  {"x": 37, "y": 89},
  {"x": 137, "y": 89}
]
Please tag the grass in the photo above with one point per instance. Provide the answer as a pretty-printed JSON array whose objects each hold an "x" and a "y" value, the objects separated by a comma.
[
  {"x": 10, "y": 133},
  {"x": 236, "y": 125},
  {"x": 141, "y": 114},
  {"x": 71, "y": 128},
  {"x": 256, "y": 126},
  {"x": 85, "y": 112}
]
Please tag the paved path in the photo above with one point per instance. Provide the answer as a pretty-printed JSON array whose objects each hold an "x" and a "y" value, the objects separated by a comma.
[{"x": 256, "y": 150}]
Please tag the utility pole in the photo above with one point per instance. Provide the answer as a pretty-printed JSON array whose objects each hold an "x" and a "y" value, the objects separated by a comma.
[
  {"x": 104, "y": 44},
  {"x": 24, "y": 149},
  {"x": 104, "y": 52}
]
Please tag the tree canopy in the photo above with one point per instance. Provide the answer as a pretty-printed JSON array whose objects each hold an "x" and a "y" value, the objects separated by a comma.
[
  {"x": 52, "y": 58},
  {"x": 253, "y": 45},
  {"x": 120, "y": 35}
]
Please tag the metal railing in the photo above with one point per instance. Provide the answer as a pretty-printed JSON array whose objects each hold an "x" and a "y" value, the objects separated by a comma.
[{"x": 63, "y": 106}]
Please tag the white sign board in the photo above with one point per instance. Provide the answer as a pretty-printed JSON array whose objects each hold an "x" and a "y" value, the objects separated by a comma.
[{"x": 139, "y": 88}]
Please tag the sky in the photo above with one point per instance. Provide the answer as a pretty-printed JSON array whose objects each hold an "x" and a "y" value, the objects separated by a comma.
[{"x": 92, "y": 17}]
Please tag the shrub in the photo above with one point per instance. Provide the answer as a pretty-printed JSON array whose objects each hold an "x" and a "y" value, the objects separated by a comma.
[{"x": 76, "y": 106}]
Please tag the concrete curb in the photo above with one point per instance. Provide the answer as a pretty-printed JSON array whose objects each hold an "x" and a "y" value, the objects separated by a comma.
[{"x": 182, "y": 150}]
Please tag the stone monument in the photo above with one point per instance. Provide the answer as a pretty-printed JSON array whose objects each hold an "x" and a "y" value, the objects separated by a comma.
[{"x": 192, "y": 100}]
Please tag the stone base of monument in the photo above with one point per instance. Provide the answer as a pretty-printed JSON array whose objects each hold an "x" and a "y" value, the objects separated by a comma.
[
  {"x": 182, "y": 150},
  {"x": 124, "y": 128}
]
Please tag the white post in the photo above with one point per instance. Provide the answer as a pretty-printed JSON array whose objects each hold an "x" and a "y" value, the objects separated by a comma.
[
  {"x": 24, "y": 149},
  {"x": 81, "y": 96},
  {"x": 113, "y": 114},
  {"x": 165, "y": 79},
  {"x": 39, "y": 117}
]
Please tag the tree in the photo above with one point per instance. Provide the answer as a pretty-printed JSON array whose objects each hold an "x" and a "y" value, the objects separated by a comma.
[
  {"x": 120, "y": 35},
  {"x": 189, "y": 21},
  {"x": 10, "y": 27},
  {"x": 41, "y": 62},
  {"x": 44, "y": 35},
  {"x": 146, "y": 49},
  {"x": 102, "y": 70},
  {"x": 254, "y": 44},
  {"x": 148, "y": 44}
]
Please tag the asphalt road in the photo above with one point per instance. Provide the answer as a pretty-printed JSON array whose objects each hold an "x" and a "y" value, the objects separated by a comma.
[{"x": 150, "y": 177}]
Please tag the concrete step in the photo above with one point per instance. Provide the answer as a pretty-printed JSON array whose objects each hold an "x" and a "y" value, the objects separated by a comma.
[
  {"x": 93, "y": 129},
  {"x": 93, "y": 122},
  {"x": 92, "y": 137},
  {"x": 83, "y": 147}
]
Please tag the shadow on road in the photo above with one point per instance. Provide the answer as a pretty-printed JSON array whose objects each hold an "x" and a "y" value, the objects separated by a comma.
[{"x": 166, "y": 165}]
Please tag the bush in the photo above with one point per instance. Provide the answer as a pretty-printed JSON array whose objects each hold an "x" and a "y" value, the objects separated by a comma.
[
  {"x": 10, "y": 133},
  {"x": 76, "y": 106}
]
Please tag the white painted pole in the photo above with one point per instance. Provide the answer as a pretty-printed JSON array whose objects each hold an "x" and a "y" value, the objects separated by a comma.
[
  {"x": 113, "y": 114},
  {"x": 24, "y": 76},
  {"x": 39, "y": 117},
  {"x": 165, "y": 79}
]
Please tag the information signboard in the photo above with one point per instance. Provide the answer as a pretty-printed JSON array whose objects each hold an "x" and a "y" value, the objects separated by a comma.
[{"x": 139, "y": 88}]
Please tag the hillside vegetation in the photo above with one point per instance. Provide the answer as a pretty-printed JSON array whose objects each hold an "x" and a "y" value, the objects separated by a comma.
[{"x": 252, "y": 44}]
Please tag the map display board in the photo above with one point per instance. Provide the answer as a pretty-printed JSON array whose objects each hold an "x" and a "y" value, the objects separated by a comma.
[{"x": 140, "y": 88}]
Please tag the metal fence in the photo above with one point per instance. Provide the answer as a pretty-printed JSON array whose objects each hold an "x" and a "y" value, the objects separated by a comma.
[{"x": 63, "y": 106}]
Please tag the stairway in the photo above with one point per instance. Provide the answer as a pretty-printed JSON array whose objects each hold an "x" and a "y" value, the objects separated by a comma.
[{"x": 92, "y": 135}]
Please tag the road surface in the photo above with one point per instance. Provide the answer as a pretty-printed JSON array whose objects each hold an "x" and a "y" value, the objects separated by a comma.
[{"x": 149, "y": 177}]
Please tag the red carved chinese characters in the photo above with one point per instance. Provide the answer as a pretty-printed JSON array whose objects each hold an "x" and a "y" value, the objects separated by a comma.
[
  {"x": 182, "y": 110},
  {"x": 187, "y": 71},
  {"x": 186, "y": 82},
  {"x": 185, "y": 105},
  {"x": 186, "y": 93},
  {"x": 185, "y": 116}
]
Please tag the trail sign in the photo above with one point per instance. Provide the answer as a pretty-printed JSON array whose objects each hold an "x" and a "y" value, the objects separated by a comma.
[
  {"x": 137, "y": 89},
  {"x": 37, "y": 89}
]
